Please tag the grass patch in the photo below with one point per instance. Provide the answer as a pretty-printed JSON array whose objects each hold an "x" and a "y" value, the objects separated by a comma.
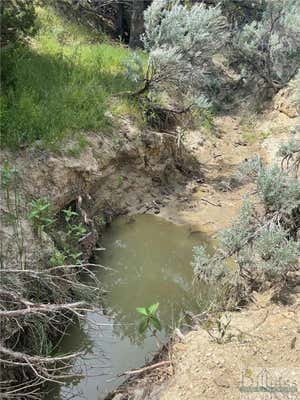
[
  {"x": 254, "y": 137},
  {"x": 59, "y": 85}
]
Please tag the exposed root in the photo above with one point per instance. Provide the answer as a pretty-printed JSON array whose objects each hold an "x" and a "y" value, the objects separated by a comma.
[{"x": 28, "y": 326}]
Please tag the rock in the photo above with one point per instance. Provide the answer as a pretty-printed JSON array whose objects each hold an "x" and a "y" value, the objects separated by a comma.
[
  {"x": 180, "y": 335},
  {"x": 118, "y": 396},
  {"x": 240, "y": 143},
  {"x": 222, "y": 381},
  {"x": 283, "y": 104}
]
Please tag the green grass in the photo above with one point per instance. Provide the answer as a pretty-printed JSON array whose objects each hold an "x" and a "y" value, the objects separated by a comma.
[
  {"x": 252, "y": 137},
  {"x": 60, "y": 85}
]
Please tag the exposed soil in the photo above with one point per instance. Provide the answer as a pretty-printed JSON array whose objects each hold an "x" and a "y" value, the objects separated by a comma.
[
  {"x": 266, "y": 336},
  {"x": 131, "y": 172},
  {"x": 212, "y": 204},
  {"x": 145, "y": 172}
]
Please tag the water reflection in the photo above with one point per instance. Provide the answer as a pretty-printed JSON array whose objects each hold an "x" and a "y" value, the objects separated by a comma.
[{"x": 152, "y": 259}]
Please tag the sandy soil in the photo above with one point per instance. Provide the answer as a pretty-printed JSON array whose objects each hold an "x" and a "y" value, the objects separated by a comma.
[
  {"x": 263, "y": 339},
  {"x": 211, "y": 205}
]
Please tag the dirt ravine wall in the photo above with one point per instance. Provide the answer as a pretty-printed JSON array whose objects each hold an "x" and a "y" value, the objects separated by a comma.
[{"x": 129, "y": 172}]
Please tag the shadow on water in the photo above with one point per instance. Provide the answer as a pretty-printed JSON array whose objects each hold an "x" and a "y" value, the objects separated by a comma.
[{"x": 151, "y": 261}]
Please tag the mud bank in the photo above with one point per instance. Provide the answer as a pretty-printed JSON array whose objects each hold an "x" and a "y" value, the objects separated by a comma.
[{"x": 132, "y": 172}]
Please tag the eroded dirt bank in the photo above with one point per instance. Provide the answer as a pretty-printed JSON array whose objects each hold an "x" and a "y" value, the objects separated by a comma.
[
  {"x": 211, "y": 205},
  {"x": 266, "y": 336},
  {"x": 132, "y": 172}
]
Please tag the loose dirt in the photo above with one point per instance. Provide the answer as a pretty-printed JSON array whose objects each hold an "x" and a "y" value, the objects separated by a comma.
[{"x": 263, "y": 339}]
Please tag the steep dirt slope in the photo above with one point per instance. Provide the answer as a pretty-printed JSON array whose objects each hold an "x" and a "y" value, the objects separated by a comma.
[
  {"x": 210, "y": 205},
  {"x": 129, "y": 172}
]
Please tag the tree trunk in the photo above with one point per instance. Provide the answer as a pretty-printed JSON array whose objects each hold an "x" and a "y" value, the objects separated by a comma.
[
  {"x": 122, "y": 24},
  {"x": 137, "y": 23}
]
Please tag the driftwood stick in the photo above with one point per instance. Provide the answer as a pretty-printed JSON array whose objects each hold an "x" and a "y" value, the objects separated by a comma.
[
  {"x": 41, "y": 308},
  {"x": 16, "y": 355},
  {"x": 210, "y": 202},
  {"x": 138, "y": 371}
]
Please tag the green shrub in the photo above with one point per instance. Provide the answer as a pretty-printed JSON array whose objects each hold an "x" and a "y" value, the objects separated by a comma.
[
  {"x": 233, "y": 239},
  {"x": 278, "y": 191},
  {"x": 17, "y": 20},
  {"x": 261, "y": 246},
  {"x": 204, "y": 267},
  {"x": 287, "y": 149},
  {"x": 277, "y": 252},
  {"x": 268, "y": 47},
  {"x": 181, "y": 40}
]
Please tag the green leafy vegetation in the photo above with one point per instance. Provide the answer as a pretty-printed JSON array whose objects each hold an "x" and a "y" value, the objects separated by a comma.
[
  {"x": 149, "y": 319},
  {"x": 57, "y": 258},
  {"x": 17, "y": 20},
  {"x": 73, "y": 230},
  {"x": 59, "y": 86},
  {"x": 268, "y": 47},
  {"x": 40, "y": 214}
]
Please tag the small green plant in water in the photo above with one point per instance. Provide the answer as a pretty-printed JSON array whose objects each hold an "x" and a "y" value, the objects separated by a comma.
[{"x": 149, "y": 319}]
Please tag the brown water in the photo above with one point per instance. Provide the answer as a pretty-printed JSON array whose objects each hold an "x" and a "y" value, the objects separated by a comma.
[{"x": 151, "y": 260}]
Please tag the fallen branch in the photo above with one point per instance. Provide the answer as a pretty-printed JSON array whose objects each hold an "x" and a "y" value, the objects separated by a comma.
[
  {"x": 41, "y": 308},
  {"x": 16, "y": 355},
  {"x": 210, "y": 202},
  {"x": 139, "y": 371}
]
